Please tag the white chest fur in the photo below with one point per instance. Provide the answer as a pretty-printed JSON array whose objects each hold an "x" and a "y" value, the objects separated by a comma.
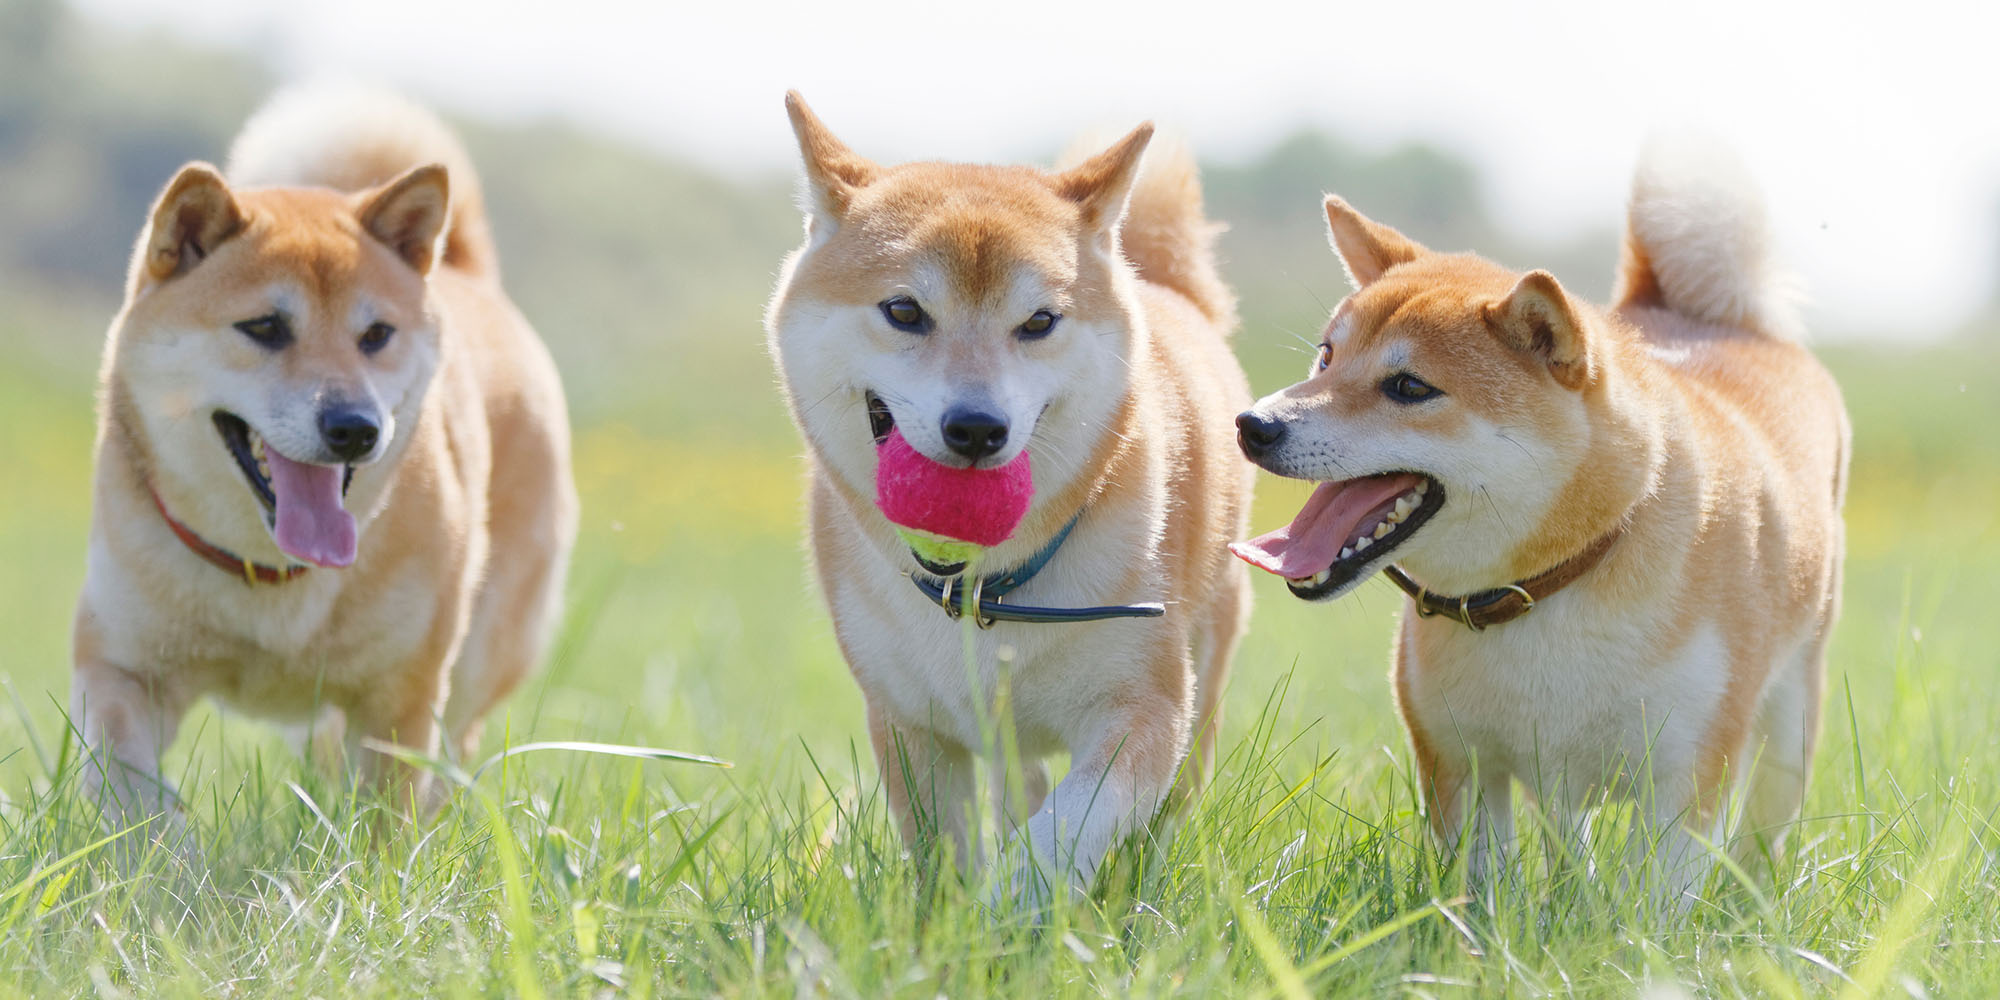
[{"x": 1567, "y": 696}]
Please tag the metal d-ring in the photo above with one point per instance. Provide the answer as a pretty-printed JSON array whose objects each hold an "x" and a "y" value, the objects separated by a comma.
[
  {"x": 1424, "y": 609},
  {"x": 955, "y": 611},
  {"x": 944, "y": 598},
  {"x": 1527, "y": 599},
  {"x": 978, "y": 597}
]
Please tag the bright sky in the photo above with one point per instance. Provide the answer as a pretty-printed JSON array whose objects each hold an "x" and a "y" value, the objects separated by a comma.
[{"x": 1873, "y": 126}]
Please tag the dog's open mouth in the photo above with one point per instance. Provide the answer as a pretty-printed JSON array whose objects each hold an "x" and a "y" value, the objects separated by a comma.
[
  {"x": 1346, "y": 528},
  {"x": 247, "y": 447},
  {"x": 304, "y": 503}
]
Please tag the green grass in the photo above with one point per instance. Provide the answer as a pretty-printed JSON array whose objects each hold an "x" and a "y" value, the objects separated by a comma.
[{"x": 1303, "y": 869}]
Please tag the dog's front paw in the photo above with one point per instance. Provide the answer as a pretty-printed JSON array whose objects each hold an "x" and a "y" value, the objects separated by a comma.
[
  {"x": 1035, "y": 871},
  {"x": 163, "y": 835},
  {"x": 1022, "y": 883}
]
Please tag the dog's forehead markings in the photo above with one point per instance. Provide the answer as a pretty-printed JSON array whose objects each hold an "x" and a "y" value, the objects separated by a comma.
[
  {"x": 288, "y": 298},
  {"x": 982, "y": 260},
  {"x": 1396, "y": 354},
  {"x": 1342, "y": 326},
  {"x": 926, "y": 283}
]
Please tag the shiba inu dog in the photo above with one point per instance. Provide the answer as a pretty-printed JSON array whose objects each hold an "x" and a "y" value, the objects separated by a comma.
[
  {"x": 332, "y": 459},
  {"x": 980, "y": 311},
  {"x": 1619, "y": 528}
]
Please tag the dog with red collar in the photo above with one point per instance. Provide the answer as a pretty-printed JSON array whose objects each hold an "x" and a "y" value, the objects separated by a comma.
[{"x": 332, "y": 475}]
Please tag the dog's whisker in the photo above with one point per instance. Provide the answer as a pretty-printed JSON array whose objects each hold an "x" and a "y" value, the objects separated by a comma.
[
  {"x": 1502, "y": 518},
  {"x": 1502, "y": 435},
  {"x": 830, "y": 393}
]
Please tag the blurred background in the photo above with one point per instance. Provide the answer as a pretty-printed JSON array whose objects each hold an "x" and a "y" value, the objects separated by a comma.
[{"x": 641, "y": 180}]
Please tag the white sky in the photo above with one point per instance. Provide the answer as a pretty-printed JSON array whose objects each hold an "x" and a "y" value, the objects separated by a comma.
[{"x": 1875, "y": 127}]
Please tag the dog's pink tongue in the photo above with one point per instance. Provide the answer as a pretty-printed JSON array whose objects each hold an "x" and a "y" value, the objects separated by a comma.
[
  {"x": 312, "y": 524},
  {"x": 1314, "y": 538}
]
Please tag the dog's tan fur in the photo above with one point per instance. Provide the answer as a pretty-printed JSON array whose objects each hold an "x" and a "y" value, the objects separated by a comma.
[
  {"x": 466, "y": 514},
  {"x": 1138, "y": 384},
  {"x": 1689, "y": 660}
]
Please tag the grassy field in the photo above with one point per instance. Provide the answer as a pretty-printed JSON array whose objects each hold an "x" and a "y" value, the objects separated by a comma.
[{"x": 1303, "y": 870}]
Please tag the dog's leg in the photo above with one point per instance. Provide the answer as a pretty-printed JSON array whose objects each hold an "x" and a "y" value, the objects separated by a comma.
[
  {"x": 1214, "y": 649},
  {"x": 1680, "y": 861},
  {"x": 930, "y": 787},
  {"x": 1123, "y": 771},
  {"x": 1457, "y": 792},
  {"x": 324, "y": 740},
  {"x": 1492, "y": 839},
  {"x": 1011, "y": 808},
  {"x": 1788, "y": 726},
  {"x": 405, "y": 716},
  {"x": 1676, "y": 814},
  {"x": 518, "y": 603},
  {"x": 127, "y": 723},
  {"x": 1470, "y": 808}
]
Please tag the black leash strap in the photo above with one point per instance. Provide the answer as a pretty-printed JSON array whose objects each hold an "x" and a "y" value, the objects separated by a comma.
[{"x": 991, "y": 610}]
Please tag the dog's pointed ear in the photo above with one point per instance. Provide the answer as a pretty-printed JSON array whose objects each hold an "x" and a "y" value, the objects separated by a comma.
[
  {"x": 1538, "y": 317},
  {"x": 1366, "y": 247},
  {"x": 408, "y": 214},
  {"x": 194, "y": 215},
  {"x": 833, "y": 171},
  {"x": 1101, "y": 184}
]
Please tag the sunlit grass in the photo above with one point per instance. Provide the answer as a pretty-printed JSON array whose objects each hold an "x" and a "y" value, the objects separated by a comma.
[{"x": 692, "y": 626}]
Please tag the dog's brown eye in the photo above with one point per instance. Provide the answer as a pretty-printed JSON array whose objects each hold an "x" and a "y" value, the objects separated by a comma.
[
  {"x": 1404, "y": 387},
  {"x": 1324, "y": 359},
  {"x": 376, "y": 337},
  {"x": 905, "y": 314},
  {"x": 1039, "y": 325},
  {"x": 270, "y": 332}
]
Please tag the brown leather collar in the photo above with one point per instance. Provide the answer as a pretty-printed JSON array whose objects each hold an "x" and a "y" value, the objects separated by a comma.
[
  {"x": 252, "y": 573},
  {"x": 1501, "y": 605}
]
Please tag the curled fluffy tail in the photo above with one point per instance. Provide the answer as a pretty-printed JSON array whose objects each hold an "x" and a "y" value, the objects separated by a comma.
[
  {"x": 1697, "y": 241},
  {"x": 1165, "y": 234},
  {"x": 350, "y": 139}
]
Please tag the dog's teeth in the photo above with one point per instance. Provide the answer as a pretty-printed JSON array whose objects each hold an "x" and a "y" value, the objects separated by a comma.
[
  {"x": 1423, "y": 486},
  {"x": 1361, "y": 544},
  {"x": 257, "y": 447},
  {"x": 1404, "y": 505},
  {"x": 1347, "y": 552},
  {"x": 1383, "y": 529},
  {"x": 1322, "y": 576}
]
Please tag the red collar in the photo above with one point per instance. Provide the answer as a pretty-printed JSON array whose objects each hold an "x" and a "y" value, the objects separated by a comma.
[{"x": 252, "y": 573}]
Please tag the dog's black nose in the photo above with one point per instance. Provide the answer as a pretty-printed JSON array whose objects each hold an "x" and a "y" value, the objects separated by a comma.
[
  {"x": 1257, "y": 435},
  {"x": 349, "y": 432},
  {"x": 974, "y": 433}
]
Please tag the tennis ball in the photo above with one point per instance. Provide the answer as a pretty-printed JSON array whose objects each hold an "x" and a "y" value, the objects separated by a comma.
[
  {"x": 938, "y": 550},
  {"x": 950, "y": 511}
]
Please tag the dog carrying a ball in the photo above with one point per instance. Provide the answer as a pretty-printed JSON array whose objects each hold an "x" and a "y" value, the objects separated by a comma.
[{"x": 1016, "y": 394}]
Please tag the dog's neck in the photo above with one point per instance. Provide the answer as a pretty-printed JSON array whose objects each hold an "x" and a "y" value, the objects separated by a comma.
[{"x": 1630, "y": 440}]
